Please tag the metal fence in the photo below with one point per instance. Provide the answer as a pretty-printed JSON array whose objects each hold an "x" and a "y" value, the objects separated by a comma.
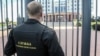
[{"x": 71, "y": 19}]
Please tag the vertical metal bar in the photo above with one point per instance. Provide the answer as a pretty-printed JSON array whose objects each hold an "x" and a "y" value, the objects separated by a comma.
[
  {"x": 17, "y": 12},
  {"x": 12, "y": 15},
  {"x": 72, "y": 27},
  {"x": 66, "y": 28},
  {"x": 53, "y": 12},
  {"x": 17, "y": 9},
  {"x": 7, "y": 20},
  {"x": 12, "y": 12},
  {"x": 2, "y": 25},
  {"x": 21, "y": 8},
  {"x": 77, "y": 43},
  {"x": 59, "y": 24},
  {"x": 86, "y": 28},
  {"x": 95, "y": 53},
  {"x": 46, "y": 11},
  {"x": 22, "y": 11}
]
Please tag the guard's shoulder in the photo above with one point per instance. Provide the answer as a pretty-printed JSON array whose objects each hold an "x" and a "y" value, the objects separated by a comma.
[
  {"x": 18, "y": 26},
  {"x": 48, "y": 34},
  {"x": 48, "y": 30}
]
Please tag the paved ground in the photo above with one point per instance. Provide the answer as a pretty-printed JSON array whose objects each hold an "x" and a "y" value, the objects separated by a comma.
[{"x": 69, "y": 41}]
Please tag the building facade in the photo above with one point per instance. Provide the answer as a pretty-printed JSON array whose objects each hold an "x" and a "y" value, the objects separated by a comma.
[{"x": 55, "y": 10}]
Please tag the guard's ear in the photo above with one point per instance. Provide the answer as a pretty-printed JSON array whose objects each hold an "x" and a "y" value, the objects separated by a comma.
[{"x": 41, "y": 14}]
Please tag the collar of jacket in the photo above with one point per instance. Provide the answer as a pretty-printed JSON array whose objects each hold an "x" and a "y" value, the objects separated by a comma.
[{"x": 32, "y": 21}]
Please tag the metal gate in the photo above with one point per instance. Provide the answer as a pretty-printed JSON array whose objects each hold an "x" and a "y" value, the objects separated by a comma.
[{"x": 73, "y": 21}]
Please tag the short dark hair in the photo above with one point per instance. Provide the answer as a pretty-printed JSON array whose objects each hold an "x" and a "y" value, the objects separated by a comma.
[{"x": 34, "y": 8}]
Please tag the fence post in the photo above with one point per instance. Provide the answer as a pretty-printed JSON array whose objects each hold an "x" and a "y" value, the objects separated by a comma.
[{"x": 86, "y": 27}]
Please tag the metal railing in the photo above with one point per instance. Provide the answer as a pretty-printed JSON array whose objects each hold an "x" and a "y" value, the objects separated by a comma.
[{"x": 71, "y": 19}]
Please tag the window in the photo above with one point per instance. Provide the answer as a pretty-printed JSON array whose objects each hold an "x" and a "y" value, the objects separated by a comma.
[
  {"x": 75, "y": 1},
  {"x": 75, "y": 5},
  {"x": 42, "y": 2},
  {"x": 56, "y": 9},
  {"x": 48, "y": 2},
  {"x": 61, "y": 9},
  {"x": 75, "y": 9},
  {"x": 48, "y": 9},
  {"x": 68, "y": 7},
  {"x": 48, "y": 6},
  {"x": 64, "y": 9}
]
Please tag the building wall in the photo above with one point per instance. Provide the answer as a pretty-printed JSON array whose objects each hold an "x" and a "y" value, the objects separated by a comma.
[
  {"x": 57, "y": 8},
  {"x": 48, "y": 6},
  {"x": 62, "y": 18}
]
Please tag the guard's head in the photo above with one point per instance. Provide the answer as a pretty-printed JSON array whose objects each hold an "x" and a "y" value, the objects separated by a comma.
[{"x": 34, "y": 9}]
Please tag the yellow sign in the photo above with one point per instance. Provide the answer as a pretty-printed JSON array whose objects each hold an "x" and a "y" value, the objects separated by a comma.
[{"x": 26, "y": 45}]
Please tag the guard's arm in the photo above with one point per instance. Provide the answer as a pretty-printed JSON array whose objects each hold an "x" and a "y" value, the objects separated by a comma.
[
  {"x": 51, "y": 42},
  {"x": 10, "y": 46}
]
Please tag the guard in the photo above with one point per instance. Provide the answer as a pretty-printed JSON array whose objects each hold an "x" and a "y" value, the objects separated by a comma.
[{"x": 32, "y": 38}]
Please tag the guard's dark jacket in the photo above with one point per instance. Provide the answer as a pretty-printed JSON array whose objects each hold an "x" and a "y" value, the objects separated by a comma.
[{"x": 33, "y": 39}]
